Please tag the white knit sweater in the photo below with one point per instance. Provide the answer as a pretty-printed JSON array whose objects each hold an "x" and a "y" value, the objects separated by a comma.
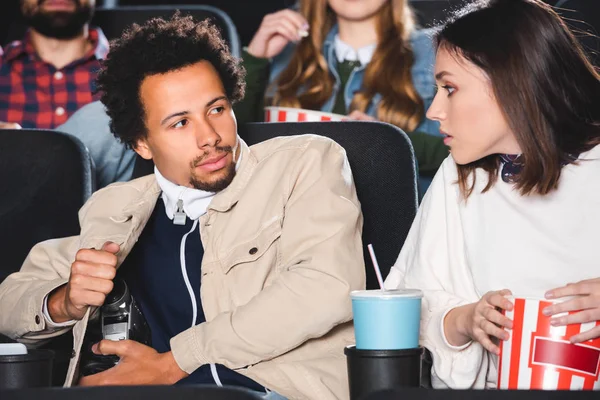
[{"x": 458, "y": 250}]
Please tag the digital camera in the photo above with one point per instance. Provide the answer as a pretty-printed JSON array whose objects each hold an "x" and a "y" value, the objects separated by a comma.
[{"x": 118, "y": 319}]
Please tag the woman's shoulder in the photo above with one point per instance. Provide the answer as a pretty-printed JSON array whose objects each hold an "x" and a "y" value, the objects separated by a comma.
[
  {"x": 592, "y": 154},
  {"x": 583, "y": 172}
]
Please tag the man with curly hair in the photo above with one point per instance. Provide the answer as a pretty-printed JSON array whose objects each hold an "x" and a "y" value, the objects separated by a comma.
[{"x": 241, "y": 258}]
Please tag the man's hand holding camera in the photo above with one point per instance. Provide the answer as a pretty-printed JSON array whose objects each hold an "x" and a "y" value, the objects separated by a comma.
[{"x": 91, "y": 280}]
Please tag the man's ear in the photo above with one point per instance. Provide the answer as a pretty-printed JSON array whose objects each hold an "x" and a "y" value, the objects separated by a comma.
[{"x": 143, "y": 149}]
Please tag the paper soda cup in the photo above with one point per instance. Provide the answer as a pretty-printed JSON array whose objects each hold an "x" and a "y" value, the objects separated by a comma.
[
  {"x": 288, "y": 114},
  {"x": 386, "y": 319},
  {"x": 540, "y": 356}
]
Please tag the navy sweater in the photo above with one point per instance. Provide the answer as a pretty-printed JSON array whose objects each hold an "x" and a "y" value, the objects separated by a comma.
[{"x": 154, "y": 275}]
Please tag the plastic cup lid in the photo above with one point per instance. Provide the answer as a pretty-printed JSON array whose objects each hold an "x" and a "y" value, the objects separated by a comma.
[{"x": 387, "y": 294}]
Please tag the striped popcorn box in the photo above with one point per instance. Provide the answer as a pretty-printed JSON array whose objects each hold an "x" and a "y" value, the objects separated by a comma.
[
  {"x": 540, "y": 356},
  {"x": 287, "y": 114}
]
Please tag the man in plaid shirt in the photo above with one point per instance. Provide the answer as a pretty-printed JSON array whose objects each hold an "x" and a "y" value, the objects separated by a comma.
[{"x": 50, "y": 74}]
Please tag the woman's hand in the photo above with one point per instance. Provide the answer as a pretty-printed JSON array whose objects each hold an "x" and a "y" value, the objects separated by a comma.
[
  {"x": 276, "y": 31},
  {"x": 587, "y": 303},
  {"x": 480, "y": 321}
]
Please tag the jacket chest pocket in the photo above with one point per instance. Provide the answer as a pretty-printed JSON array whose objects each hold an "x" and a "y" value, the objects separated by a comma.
[{"x": 252, "y": 264}]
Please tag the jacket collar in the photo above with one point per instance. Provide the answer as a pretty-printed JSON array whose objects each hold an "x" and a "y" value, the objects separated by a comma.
[
  {"x": 141, "y": 208},
  {"x": 329, "y": 47},
  {"x": 193, "y": 202},
  {"x": 345, "y": 52},
  {"x": 330, "y": 54}
]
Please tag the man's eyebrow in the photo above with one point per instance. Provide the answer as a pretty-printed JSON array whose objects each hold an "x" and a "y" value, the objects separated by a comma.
[
  {"x": 177, "y": 114},
  {"x": 213, "y": 101},
  {"x": 186, "y": 112}
]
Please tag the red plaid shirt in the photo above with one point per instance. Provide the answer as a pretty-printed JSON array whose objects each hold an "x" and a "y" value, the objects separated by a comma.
[{"x": 35, "y": 94}]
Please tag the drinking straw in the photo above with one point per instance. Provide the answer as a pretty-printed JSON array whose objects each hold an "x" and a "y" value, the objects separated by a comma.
[{"x": 376, "y": 266}]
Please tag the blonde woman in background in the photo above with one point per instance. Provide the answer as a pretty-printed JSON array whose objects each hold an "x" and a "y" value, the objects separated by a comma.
[{"x": 362, "y": 58}]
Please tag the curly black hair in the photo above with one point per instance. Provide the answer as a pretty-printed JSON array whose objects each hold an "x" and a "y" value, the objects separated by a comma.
[{"x": 157, "y": 47}]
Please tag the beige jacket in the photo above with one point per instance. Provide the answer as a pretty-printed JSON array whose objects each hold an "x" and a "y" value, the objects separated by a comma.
[{"x": 279, "y": 315}]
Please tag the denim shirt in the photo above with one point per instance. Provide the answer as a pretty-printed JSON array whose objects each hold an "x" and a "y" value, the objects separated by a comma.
[{"x": 422, "y": 74}]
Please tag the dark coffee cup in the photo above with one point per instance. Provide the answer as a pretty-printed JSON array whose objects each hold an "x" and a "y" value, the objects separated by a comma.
[
  {"x": 371, "y": 371},
  {"x": 26, "y": 370}
]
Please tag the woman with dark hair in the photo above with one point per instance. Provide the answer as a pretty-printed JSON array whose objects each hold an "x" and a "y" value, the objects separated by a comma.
[{"x": 516, "y": 208}]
